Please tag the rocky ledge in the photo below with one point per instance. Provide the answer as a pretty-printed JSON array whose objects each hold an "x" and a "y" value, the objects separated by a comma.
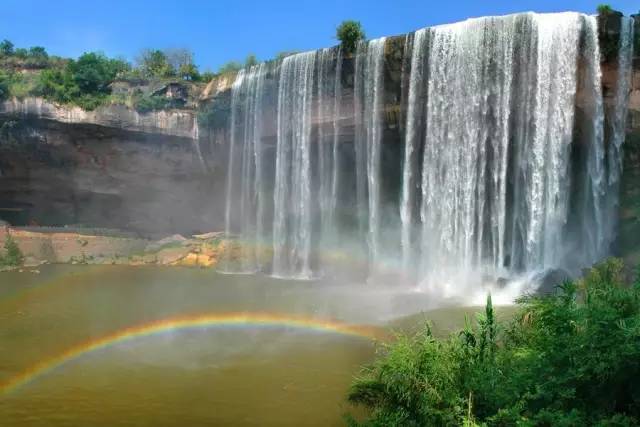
[
  {"x": 180, "y": 123},
  {"x": 72, "y": 246}
]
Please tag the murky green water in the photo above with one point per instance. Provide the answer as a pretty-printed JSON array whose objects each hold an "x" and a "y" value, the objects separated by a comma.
[{"x": 243, "y": 375}]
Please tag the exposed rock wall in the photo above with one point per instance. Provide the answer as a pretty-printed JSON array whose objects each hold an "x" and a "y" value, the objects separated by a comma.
[
  {"x": 55, "y": 173},
  {"x": 180, "y": 123}
]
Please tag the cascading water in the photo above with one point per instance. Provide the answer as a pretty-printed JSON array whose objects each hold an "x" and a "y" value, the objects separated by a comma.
[
  {"x": 618, "y": 122},
  {"x": 415, "y": 113},
  {"x": 328, "y": 118},
  {"x": 292, "y": 224},
  {"x": 245, "y": 204},
  {"x": 368, "y": 102},
  {"x": 504, "y": 165}
]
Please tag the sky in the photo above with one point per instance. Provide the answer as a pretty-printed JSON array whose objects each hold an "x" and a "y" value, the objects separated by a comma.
[{"x": 220, "y": 31}]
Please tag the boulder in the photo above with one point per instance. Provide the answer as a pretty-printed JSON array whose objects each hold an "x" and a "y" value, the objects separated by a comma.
[
  {"x": 207, "y": 236},
  {"x": 548, "y": 280},
  {"x": 175, "y": 239},
  {"x": 171, "y": 255}
]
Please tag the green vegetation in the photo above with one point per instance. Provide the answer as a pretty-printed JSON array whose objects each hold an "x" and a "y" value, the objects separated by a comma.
[
  {"x": 13, "y": 255},
  {"x": 568, "y": 359},
  {"x": 146, "y": 103},
  {"x": 86, "y": 82},
  {"x": 250, "y": 61},
  {"x": 229, "y": 67},
  {"x": 350, "y": 33},
  {"x": 207, "y": 76},
  {"x": 604, "y": 9},
  {"x": 4, "y": 85},
  {"x": 154, "y": 63}
]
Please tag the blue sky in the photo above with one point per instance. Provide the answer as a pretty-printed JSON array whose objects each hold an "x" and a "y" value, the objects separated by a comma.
[{"x": 219, "y": 31}]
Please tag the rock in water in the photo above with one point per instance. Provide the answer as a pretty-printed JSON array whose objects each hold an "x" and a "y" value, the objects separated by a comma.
[{"x": 547, "y": 281}]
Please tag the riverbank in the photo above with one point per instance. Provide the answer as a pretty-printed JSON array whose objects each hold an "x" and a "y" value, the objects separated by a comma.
[{"x": 67, "y": 245}]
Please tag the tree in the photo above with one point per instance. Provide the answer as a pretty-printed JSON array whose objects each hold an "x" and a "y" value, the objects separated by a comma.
[
  {"x": 13, "y": 256},
  {"x": 230, "y": 67},
  {"x": 207, "y": 76},
  {"x": 604, "y": 9},
  {"x": 21, "y": 53},
  {"x": 57, "y": 85},
  {"x": 189, "y": 72},
  {"x": 179, "y": 57},
  {"x": 38, "y": 52},
  {"x": 250, "y": 61},
  {"x": 154, "y": 63},
  {"x": 6, "y": 48},
  {"x": 93, "y": 72},
  {"x": 350, "y": 33}
]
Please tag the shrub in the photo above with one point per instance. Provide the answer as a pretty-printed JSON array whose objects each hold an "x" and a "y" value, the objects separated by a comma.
[
  {"x": 250, "y": 61},
  {"x": 84, "y": 82},
  {"x": 13, "y": 255},
  {"x": 604, "y": 9},
  {"x": 4, "y": 85},
  {"x": 572, "y": 358},
  {"x": 154, "y": 63},
  {"x": 21, "y": 53},
  {"x": 58, "y": 86},
  {"x": 93, "y": 72},
  {"x": 37, "y": 57},
  {"x": 22, "y": 85},
  {"x": 189, "y": 72},
  {"x": 350, "y": 33},
  {"x": 230, "y": 67},
  {"x": 145, "y": 104},
  {"x": 6, "y": 48},
  {"x": 207, "y": 76}
]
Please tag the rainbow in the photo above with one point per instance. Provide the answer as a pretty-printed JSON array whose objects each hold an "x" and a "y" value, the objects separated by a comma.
[{"x": 198, "y": 321}]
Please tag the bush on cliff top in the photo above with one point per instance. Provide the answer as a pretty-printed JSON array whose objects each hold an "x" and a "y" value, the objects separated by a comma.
[
  {"x": 13, "y": 255},
  {"x": 84, "y": 82},
  {"x": 604, "y": 9},
  {"x": 350, "y": 33},
  {"x": 572, "y": 358}
]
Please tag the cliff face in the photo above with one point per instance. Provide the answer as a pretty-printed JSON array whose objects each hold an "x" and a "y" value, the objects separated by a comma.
[
  {"x": 66, "y": 169},
  {"x": 160, "y": 172},
  {"x": 180, "y": 123}
]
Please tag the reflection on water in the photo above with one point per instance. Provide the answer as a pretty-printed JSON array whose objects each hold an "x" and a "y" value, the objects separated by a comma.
[{"x": 246, "y": 374}]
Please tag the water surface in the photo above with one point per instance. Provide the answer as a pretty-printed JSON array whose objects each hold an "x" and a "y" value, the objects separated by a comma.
[{"x": 239, "y": 375}]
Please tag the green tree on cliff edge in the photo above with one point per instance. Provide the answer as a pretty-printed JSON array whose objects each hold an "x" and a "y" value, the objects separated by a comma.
[{"x": 350, "y": 33}]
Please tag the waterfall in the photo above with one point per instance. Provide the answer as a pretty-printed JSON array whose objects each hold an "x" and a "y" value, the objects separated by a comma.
[
  {"x": 292, "y": 224},
  {"x": 245, "y": 202},
  {"x": 368, "y": 101},
  {"x": 623, "y": 88},
  {"x": 618, "y": 125},
  {"x": 415, "y": 113},
  {"x": 328, "y": 118},
  {"x": 495, "y": 174},
  {"x": 463, "y": 176},
  {"x": 594, "y": 228},
  {"x": 504, "y": 166}
]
